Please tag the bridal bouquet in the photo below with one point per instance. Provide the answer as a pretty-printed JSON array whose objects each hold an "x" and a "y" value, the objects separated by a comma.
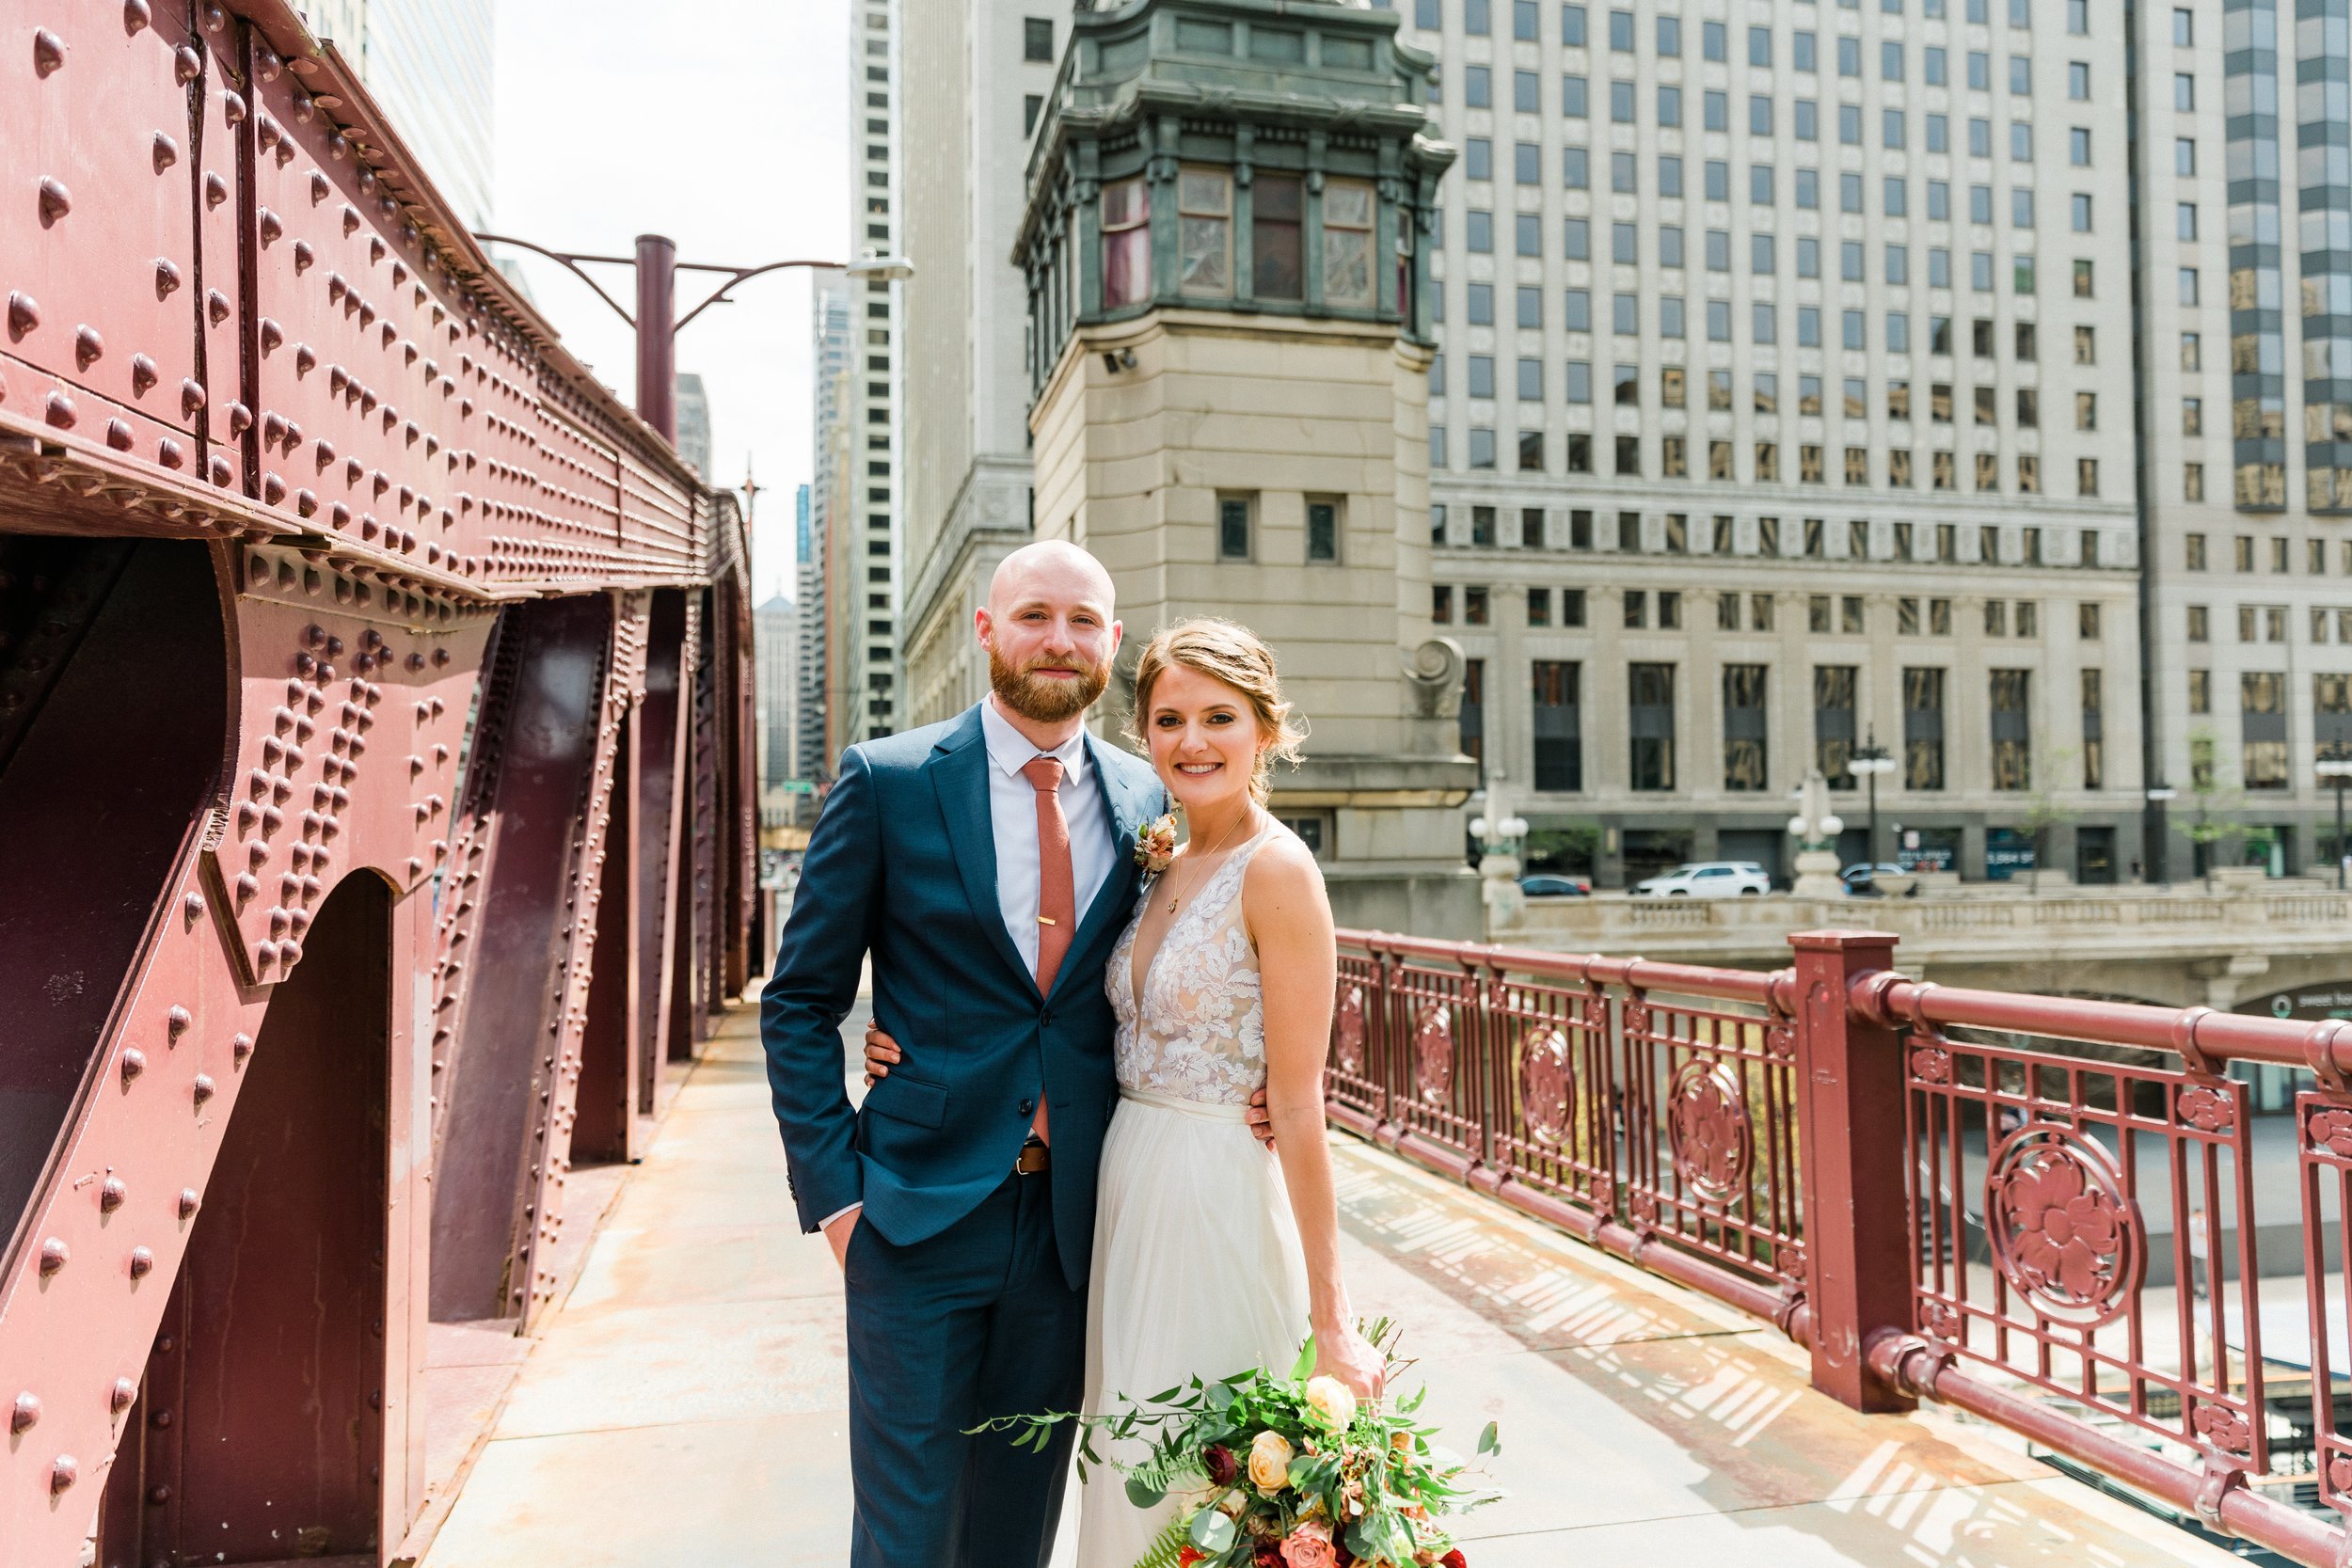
[{"x": 1285, "y": 1472}]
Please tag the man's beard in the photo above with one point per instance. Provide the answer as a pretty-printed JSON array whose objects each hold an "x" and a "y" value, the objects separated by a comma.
[{"x": 1047, "y": 701}]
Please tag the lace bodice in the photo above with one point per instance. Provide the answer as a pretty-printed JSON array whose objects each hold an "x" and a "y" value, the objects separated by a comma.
[{"x": 1200, "y": 1031}]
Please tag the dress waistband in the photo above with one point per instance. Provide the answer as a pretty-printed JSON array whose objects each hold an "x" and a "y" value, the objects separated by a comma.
[{"x": 1205, "y": 1110}]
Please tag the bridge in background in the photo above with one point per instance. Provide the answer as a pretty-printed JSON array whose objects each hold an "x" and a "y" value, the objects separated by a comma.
[{"x": 374, "y": 769}]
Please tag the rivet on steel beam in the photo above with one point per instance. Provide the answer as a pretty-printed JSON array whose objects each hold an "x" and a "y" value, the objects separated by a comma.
[
  {"x": 27, "y": 1411},
  {"x": 56, "y": 200},
  {"x": 63, "y": 1472},
  {"x": 215, "y": 189},
  {"x": 162, "y": 1419},
  {"x": 191, "y": 399},
  {"x": 187, "y": 64},
  {"x": 169, "y": 454},
  {"x": 88, "y": 347},
  {"x": 164, "y": 151},
  {"x": 48, "y": 51},
  {"x": 193, "y": 907},
  {"x": 273, "y": 489},
  {"x": 119, "y": 436},
  {"x": 339, "y": 146},
  {"x": 306, "y": 502},
  {"x": 176, "y": 1023},
  {"x": 305, "y": 361},
  {"x": 266, "y": 64},
  {"x": 219, "y": 471},
  {"x": 119, "y": 1398},
  {"x": 60, "y": 411},
  {"x": 111, "y": 1194},
  {"x": 351, "y": 219},
  {"x": 143, "y": 374},
  {"x": 270, "y": 229},
  {"x": 232, "y": 107},
  {"x": 240, "y": 418},
  {"x": 240, "y": 1047},
  {"x": 273, "y": 335},
  {"x": 142, "y": 1262},
  {"x": 54, "y": 1255},
  {"x": 216, "y": 306},
  {"x": 189, "y": 1202},
  {"x": 23, "y": 314},
  {"x": 202, "y": 1087},
  {"x": 136, "y": 16}
]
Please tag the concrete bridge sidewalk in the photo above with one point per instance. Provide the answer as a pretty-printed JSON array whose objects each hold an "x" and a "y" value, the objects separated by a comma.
[{"x": 685, "y": 1404}]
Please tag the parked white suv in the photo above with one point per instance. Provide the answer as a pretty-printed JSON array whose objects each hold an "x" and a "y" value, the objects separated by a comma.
[{"x": 1707, "y": 880}]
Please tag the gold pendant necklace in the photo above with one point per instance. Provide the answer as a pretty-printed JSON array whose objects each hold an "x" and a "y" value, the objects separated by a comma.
[{"x": 1172, "y": 897}]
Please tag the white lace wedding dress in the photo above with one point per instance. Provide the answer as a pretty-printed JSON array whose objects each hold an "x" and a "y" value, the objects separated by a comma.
[{"x": 1198, "y": 1268}]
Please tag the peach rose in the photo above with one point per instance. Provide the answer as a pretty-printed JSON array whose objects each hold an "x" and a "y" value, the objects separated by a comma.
[
  {"x": 1332, "y": 1400},
  {"x": 1270, "y": 1461},
  {"x": 1309, "y": 1546}
]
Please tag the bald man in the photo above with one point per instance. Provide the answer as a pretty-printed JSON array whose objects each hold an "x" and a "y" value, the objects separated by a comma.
[{"x": 987, "y": 867}]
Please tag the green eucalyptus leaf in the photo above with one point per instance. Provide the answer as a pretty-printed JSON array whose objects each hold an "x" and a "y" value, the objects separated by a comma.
[
  {"x": 1212, "y": 1532},
  {"x": 1490, "y": 1441},
  {"x": 1142, "y": 1492},
  {"x": 1220, "y": 1396}
]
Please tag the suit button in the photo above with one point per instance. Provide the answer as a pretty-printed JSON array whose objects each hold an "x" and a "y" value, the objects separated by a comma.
[
  {"x": 1029, "y": 1107},
  {"x": 1045, "y": 1018}
]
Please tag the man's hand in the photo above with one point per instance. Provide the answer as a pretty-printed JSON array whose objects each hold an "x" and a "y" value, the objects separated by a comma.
[
  {"x": 1260, "y": 1123},
  {"x": 837, "y": 1233}
]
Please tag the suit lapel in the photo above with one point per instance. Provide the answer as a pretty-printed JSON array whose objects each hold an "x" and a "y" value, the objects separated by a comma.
[
  {"x": 959, "y": 769},
  {"x": 1123, "y": 807}
]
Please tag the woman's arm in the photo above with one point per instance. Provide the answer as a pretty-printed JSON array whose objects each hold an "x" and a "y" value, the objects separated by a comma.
[{"x": 1290, "y": 921}]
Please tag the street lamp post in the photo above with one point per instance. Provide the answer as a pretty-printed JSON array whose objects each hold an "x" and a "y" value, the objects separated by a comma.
[
  {"x": 1868, "y": 762},
  {"x": 657, "y": 266},
  {"x": 2337, "y": 772},
  {"x": 1499, "y": 834},
  {"x": 2155, "y": 830},
  {"x": 1816, "y": 828}
]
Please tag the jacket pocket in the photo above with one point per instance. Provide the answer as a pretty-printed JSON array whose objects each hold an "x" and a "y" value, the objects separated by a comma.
[{"x": 909, "y": 1100}]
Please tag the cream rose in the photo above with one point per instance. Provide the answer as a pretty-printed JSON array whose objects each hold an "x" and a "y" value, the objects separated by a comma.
[
  {"x": 1332, "y": 1400},
  {"x": 1270, "y": 1461}
]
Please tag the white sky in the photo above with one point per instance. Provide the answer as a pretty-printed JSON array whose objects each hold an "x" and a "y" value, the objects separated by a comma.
[{"x": 719, "y": 124}]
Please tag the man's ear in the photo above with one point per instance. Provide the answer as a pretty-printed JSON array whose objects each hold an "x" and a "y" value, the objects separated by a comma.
[{"x": 982, "y": 626}]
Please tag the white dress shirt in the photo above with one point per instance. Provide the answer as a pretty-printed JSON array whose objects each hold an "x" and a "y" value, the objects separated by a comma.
[{"x": 1012, "y": 815}]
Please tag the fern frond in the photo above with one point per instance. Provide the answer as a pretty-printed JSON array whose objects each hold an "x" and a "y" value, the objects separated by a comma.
[
  {"x": 1167, "y": 1548},
  {"x": 1169, "y": 1472}
]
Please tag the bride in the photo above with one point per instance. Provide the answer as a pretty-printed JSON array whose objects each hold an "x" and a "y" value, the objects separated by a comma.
[{"x": 1213, "y": 1255}]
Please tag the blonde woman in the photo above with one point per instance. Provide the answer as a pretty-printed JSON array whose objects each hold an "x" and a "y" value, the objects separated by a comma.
[{"x": 1213, "y": 1253}]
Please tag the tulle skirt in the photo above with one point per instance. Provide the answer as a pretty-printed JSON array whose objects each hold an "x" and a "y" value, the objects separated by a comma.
[{"x": 1197, "y": 1271}]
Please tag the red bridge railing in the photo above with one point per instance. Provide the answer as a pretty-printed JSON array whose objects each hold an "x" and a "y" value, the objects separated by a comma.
[{"x": 2059, "y": 1215}]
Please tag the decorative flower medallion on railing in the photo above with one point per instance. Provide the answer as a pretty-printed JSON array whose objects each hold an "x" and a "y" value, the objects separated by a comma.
[
  {"x": 1432, "y": 1053},
  {"x": 2331, "y": 1132},
  {"x": 1547, "y": 1084},
  {"x": 1939, "y": 1318},
  {"x": 2064, "y": 1232},
  {"x": 2208, "y": 1109},
  {"x": 2340, "y": 1474},
  {"x": 1931, "y": 1063},
  {"x": 2223, "y": 1429},
  {"x": 1636, "y": 1016},
  {"x": 1645, "y": 1210},
  {"x": 1348, "y": 1032},
  {"x": 1708, "y": 1120}
]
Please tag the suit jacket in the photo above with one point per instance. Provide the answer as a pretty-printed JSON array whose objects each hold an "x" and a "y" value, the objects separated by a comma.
[{"x": 902, "y": 865}]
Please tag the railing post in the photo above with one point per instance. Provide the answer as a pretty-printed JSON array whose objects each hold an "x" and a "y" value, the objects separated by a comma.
[{"x": 1849, "y": 1121}]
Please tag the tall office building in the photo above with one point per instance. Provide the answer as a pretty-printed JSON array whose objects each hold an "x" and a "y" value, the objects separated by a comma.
[
  {"x": 429, "y": 63},
  {"x": 693, "y": 424},
  {"x": 986, "y": 67},
  {"x": 808, "y": 760},
  {"x": 2245, "y": 355},
  {"x": 831, "y": 510},
  {"x": 775, "y": 644},
  {"x": 865, "y": 605},
  {"x": 1784, "y": 406}
]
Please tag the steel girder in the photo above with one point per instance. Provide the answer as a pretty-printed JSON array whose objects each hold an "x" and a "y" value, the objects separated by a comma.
[{"x": 373, "y": 761}]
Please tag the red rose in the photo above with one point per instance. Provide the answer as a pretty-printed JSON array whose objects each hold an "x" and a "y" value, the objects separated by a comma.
[
  {"x": 1219, "y": 1462},
  {"x": 1453, "y": 1559},
  {"x": 1268, "y": 1556},
  {"x": 1190, "y": 1555}
]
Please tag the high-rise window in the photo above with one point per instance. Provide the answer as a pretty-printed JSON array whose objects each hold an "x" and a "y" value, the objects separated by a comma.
[
  {"x": 2012, "y": 735},
  {"x": 1833, "y": 735},
  {"x": 2094, "y": 729},
  {"x": 1277, "y": 209},
  {"x": 2263, "y": 718},
  {"x": 1323, "y": 529},
  {"x": 1126, "y": 243},
  {"x": 1650, "y": 719},
  {"x": 1234, "y": 527},
  {"x": 1557, "y": 725},
  {"x": 1923, "y": 727},
  {"x": 1347, "y": 219},
  {"x": 1745, "y": 732}
]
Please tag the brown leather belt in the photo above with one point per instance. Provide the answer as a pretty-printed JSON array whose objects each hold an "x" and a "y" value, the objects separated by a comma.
[{"x": 1033, "y": 1159}]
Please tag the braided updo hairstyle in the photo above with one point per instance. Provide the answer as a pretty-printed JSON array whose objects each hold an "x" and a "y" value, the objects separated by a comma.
[{"x": 1230, "y": 653}]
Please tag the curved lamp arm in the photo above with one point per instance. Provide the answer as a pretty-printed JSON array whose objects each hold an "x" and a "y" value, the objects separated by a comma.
[
  {"x": 741, "y": 274},
  {"x": 571, "y": 263}
]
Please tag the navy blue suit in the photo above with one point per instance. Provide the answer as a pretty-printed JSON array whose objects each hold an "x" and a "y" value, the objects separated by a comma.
[{"x": 965, "y": 1283}]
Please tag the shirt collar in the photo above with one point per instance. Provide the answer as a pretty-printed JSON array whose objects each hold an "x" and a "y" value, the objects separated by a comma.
[{"x": 1011, "y": 751}]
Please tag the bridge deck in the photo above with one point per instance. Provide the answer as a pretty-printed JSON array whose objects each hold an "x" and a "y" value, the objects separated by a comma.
[{"x": 686, "y": 1402}]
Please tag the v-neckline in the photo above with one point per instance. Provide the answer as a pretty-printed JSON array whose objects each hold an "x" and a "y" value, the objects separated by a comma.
[{"x": 1137, "y": 989}]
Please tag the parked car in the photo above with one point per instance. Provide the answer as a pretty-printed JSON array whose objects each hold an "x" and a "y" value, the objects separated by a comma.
[
  {"x": 1547, "y": 886},
  {"x": 1707, "y": 880},
  {"x": 1861, "y": 878}
]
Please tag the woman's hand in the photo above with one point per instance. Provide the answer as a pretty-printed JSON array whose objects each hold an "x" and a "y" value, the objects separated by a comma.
[
  {"x": 882, "y": 1054},
  {"x": 1348, "y": 1355}
]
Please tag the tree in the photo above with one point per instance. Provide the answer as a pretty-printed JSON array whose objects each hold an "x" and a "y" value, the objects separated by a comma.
[
  {"x": 2044, "y": 810},
  {"x": 2218, "y": 803}
]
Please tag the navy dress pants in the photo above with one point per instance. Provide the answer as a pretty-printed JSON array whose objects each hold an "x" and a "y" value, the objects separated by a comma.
[{"x": 975, "y": 1323}]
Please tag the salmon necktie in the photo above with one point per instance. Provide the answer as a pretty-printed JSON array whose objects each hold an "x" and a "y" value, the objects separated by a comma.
[{"x": 1056, "y": 885}]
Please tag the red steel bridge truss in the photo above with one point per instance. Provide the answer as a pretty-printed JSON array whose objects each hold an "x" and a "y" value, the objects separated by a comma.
[{"x": 375, "y": 808}]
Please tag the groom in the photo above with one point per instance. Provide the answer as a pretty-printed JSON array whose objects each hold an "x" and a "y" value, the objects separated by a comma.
[{"x": 987, "y": 866}]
